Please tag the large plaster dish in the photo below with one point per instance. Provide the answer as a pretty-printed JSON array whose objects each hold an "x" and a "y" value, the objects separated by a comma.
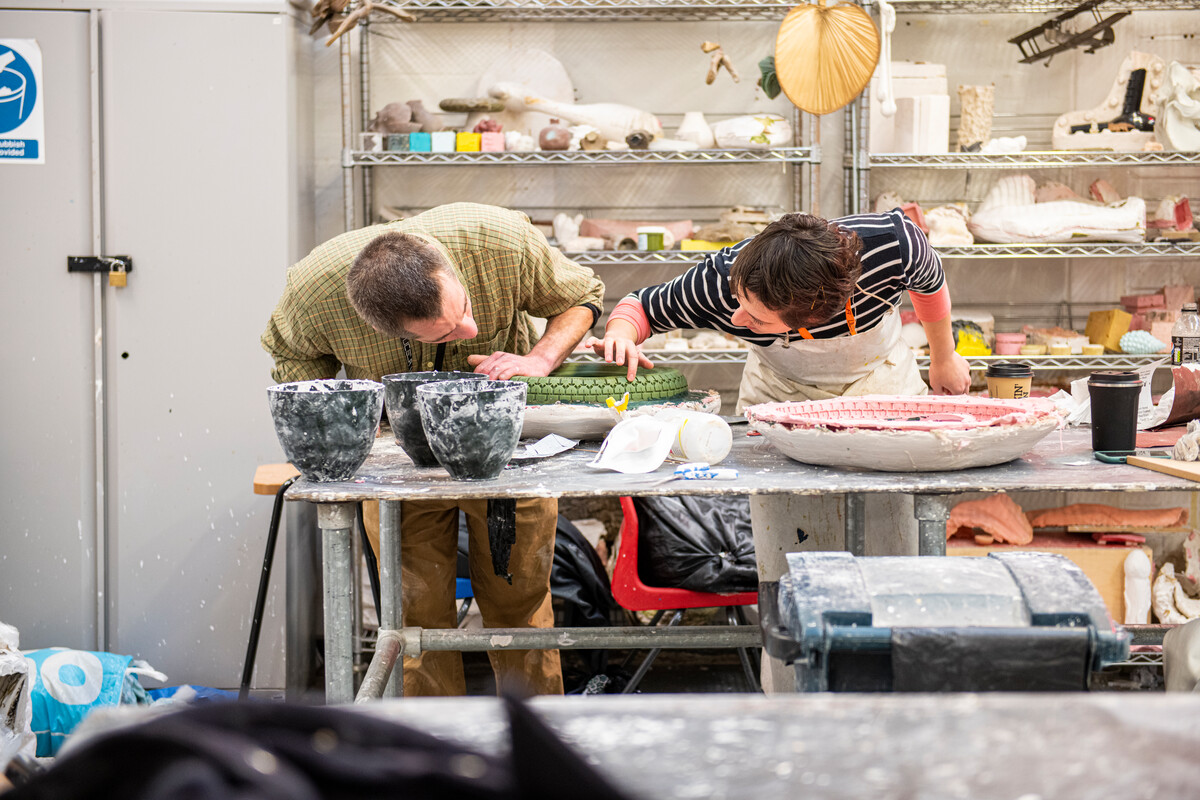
[{"x": 905, "y": 434}]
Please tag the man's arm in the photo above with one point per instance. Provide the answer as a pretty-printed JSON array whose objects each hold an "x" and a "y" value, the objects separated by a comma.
[
  {"x": 297, "y": 356},
  {"x": 563, "y": 332}
]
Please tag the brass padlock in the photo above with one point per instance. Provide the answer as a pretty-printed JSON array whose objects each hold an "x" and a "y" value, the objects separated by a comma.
[{"x": 117, "y": 276}]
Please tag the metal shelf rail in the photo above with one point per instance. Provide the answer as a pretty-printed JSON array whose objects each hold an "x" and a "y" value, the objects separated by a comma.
[
  {"x": 1039, "y": 363},
  {"x": 1033, "y": 159},
  {"x": 583, "y": 158},
  {"x": 687, "y": 258},
  {"x": 576, "y": 10},
  {"x": 1029, "y": 6}
]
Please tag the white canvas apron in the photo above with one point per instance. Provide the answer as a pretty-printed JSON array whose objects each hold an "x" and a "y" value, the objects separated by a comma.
[{"x": 876, "y": 361}]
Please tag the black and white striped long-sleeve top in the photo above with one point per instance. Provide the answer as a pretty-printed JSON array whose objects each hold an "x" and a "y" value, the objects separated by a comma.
[{"x": 896, "y": 257}]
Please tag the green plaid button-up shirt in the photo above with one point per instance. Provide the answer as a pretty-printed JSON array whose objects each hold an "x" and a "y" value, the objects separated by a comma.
[{"x": 509, "y": 270}]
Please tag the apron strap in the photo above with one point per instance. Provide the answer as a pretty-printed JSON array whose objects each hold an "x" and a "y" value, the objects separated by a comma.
[
  {"x": 408, "y": 354},
  {"x": 439, "y": 357},
  {"x": 804, "y": 334}
]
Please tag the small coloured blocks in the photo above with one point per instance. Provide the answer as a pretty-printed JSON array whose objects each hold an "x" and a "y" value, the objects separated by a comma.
[
  {"x": 467, "y": 142},
  {"x": 442, "y": 141},
  {"x": 1107, "y": 328},
  {"x": 492, "y": 142},
  {"x": 372, "y": 142},
  {"x": 397, "y": 142},
  {"x": 420, "y": 142}
]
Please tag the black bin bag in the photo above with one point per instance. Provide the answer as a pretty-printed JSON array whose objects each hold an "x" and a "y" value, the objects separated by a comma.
[{"x": 699, "y": 543}]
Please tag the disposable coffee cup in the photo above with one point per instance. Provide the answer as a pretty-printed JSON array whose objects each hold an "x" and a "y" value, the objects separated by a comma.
[
  {"x": 1114, "y": 397},
  {"x": 1009, "y": 380}
]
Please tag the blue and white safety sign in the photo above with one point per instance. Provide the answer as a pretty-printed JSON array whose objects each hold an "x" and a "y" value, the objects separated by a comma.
[{"x": 22, "y": 124}]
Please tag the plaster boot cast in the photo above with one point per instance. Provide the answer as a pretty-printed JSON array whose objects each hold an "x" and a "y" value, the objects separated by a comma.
[
  {"x": 404, "y": 414},
  {"x": 473, "y": 426},
  {"x": 326, "y": 428}
]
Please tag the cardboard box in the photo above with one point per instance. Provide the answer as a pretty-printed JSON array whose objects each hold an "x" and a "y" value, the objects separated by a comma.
[
  {"x": 1103, "y": 564},
  {"x": 1107, "y": 328}
]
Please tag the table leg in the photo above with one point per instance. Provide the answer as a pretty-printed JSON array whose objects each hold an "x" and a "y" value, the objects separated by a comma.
[
  {"x": 391, "y": 601},
  {"x": 931, "y": 511},
  {"x": 856, "y": 541},
  {"x": 336, "y": 521}
]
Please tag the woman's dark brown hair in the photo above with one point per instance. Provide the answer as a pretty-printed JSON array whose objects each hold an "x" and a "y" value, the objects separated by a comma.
[{"x": 801, "y": 267}]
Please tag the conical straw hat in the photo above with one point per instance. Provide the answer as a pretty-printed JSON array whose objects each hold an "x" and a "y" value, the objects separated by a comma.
[{"x": 824, "y": 55}]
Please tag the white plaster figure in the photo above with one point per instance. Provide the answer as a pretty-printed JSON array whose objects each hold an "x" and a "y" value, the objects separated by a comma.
[
  {"x": 614, "y": 121},
  {"x": 1137, "y": 587},
  {"x": 753, "y": 131},
  {"x": 1179, "y": 123},
  {"x": 694, "y": 128},
  {"x": 1103, "y": 138},
  {"x": 948, "y": 226},
  {"x": 1164, "y": 596},
  {"x": 1010, "y": 215}
]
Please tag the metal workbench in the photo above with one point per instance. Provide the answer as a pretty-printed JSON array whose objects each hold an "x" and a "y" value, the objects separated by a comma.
[{"x": 1061, "y": 462}]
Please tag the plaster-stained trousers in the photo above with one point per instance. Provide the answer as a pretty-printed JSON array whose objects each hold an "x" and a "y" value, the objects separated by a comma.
[{"x": 428, "y": 553}]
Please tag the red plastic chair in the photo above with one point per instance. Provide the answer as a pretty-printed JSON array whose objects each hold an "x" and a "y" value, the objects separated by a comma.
[{"x": 633, "y": 594}]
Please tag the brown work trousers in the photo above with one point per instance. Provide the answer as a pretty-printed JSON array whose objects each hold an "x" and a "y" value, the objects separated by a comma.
[{"x": 428, "y": 553}]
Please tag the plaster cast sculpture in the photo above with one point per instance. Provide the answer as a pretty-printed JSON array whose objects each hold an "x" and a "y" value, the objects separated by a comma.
[
  {"x": 1187, "y": 447},
  {"x": 1103, "y": 127},
  {"x": 1010, "y": 215},
  {"x": 694, "y": 128},
  {"x": 394, "y": 118},
  {"x": 554, "y": 137},
  {"x": 1005, "y": 144},
  {"x": 753, "y": 131},
  {"x": 717, "y": 60},
  {"x": 998, "y": 515},
  {"x": 1191, "y": 557},
  {"x": 977, "y": 105},
  {"x": 948, "y": 226},
  {"x": 1166, "y": 596},
  {"x": 566, "y": 234},
  {"x": 429, "y": 122},
  {"x": 1137, "y": 587},
  {"x": 517, "y": 142},
  {"x": 1179, "y": 124},
  {"x": 614, "y": 121},
  {"x": 902, "y": 434},
  {"x": 538, "y": 73}
]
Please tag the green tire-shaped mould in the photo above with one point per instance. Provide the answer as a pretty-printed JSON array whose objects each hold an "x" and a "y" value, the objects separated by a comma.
[{"x": 595, "y": 383}]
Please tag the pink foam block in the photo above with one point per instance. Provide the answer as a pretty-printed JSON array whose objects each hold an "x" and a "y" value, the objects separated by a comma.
[
  {"x": 493, "y": 142},
  {"x": 1140, "y": 302}
]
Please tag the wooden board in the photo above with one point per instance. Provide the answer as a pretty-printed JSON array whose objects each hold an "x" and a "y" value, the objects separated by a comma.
[
  {"x": 1169, "y": 466},
  {"x": 269, "y": 477}
]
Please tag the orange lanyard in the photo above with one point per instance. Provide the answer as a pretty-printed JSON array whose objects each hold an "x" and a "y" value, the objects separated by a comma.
[{"x": 804, "y": 334}]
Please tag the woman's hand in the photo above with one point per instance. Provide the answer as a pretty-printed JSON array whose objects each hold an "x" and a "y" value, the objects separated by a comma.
[
  {"x": 950, "y": 374},
  {"x": 619, "y": 346}
]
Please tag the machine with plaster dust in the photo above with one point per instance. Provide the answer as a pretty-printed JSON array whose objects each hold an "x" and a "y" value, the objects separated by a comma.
[
  {"x": 326, "y": 427},
  {"x": 905, "y": 434}
]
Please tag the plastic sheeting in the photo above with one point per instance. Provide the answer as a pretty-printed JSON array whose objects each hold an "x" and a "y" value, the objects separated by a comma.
[{"x": 699, "y": 543}]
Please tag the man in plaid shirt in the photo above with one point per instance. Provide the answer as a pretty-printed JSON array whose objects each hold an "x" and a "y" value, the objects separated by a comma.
[{"x": 452, "y": 288}]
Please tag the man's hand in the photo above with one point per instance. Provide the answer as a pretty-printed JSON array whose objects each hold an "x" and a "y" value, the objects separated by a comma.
[
  {"x": 503, "y": 366},
  {"x": 950, "y": 374}
]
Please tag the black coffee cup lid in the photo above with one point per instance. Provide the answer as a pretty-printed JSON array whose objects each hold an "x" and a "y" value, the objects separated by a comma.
[
  {"x": 1009, "y": 369},
  {"x": 1115, "y": 376}
]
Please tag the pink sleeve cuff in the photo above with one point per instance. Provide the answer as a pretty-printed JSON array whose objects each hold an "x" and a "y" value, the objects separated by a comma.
[
  {"x": 930, "y": 307},
  {"x": 630, "y": 309}
]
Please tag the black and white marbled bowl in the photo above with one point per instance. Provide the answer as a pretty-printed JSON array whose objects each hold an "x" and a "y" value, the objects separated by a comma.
[
  {"x": 404, "y": 415},
  {"x": 473, "y": 426},
  {"x": 326, "y": 427}
]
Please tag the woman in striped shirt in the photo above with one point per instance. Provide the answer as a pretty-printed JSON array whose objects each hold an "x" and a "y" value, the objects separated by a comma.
[{"x": 817, "y": 301}]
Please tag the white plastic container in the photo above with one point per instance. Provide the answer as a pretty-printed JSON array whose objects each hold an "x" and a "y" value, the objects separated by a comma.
[{"x": 701, "y": 436}]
